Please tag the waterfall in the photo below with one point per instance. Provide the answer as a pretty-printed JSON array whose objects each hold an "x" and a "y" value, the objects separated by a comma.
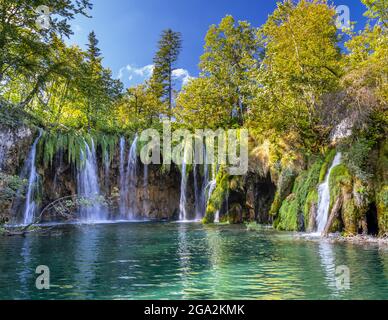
[
  {"x": 30, "y": 205},
  {"x": 205, "y": 183},
  {"x": 324, "y": 197},
  {"x": 197, "y": 195},
  {"x": 88, "y": 186},
  {"x": 217, "y": 217},
  {"x": 213, "y": 183},
  {"x": 107, "y": 171},
  {"x": 182, "y": 202},
  {"x": 122, "y": 203},
  {"x": 200, "y": 192},
  {"x": 211, "y": 187},
  {"x": 146, "y": 193},
  {"x": 130, "y": 180}
]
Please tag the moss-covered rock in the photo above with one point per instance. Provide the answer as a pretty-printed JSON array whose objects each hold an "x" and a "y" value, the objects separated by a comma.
[
  {"x": 284, "y": 188},
  {"x": 293, "y": 214},
  {"x": 217, "y": 197},
  {"x": 381, "y": 189},
  {"x": 356, "y": 200},
  {"x": 326, "y": 165}
]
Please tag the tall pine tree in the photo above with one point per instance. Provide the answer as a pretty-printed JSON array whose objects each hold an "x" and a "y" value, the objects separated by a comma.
[
  {"x": 93, "y": 74},
  {"x": 169, "y": 47}
]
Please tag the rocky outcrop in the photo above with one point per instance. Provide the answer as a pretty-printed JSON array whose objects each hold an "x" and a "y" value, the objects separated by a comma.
[{"x": 14, "y": 147}]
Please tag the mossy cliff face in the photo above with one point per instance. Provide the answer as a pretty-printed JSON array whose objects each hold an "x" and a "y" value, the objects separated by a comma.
[
  {"x": 362, "y": 200},
  {"x": 14, "y": 146}
]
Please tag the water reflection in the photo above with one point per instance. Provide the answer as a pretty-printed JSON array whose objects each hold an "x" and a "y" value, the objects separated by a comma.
[
  {"x": 186, "y": 261},
  {"x": 327, "y": 256}
]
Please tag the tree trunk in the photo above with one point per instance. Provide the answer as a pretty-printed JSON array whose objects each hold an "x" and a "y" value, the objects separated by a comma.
[{"x": 333, "y": 215}]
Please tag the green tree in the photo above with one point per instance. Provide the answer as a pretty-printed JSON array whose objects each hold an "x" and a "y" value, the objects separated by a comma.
[
  {"x": 302, "y": 63},
  {"x": 23, "y": 45},
  {"x": 231, "y": 57},
  {"x": 169, "y": 47}
]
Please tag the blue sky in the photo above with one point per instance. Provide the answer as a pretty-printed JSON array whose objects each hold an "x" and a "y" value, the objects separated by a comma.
[{"x": 128, "y": 30}]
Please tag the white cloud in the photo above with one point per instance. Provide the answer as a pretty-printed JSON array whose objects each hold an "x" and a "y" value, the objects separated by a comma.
[
  {"x": 130, "y": 72},
  {"x": 132, "y": 75},
  {"x": 182, "y": 74}
]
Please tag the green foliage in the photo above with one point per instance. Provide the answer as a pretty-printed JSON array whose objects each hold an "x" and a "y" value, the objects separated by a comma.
[
  {"x": 326, "y": 165},
  {"x": 9, "y": 185},
  {"x": 72, "y": 144},
  {"x": 357, "y": 157},
  {"x": 301, "y": 64}
]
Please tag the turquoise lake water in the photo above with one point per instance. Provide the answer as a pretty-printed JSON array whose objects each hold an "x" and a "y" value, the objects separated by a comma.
[{"x": 186, "y": 261}]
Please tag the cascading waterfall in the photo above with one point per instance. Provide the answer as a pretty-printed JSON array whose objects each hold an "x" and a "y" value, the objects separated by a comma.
[
  {"x": 30, "y": 204},
  {"x": 130, "y": 181},
  {"x": 324, "y": 197},
  {"x": 88, "y": 186},
  {"x": 182, "y": 202},
  {"x": 122, "y": 204}
]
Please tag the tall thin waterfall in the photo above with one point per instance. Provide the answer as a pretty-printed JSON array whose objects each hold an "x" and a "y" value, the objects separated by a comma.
[
  {"x": 213, "y": 183},
  {"x": 107, "y": 171},
  {"x": 201, "y": 190},
  {"x": 131, "y": 180},
  {"x": 30, "y": 204},
  {"x": 146, "y": 192},
  {"x": 205, "y": 183},
  {"x": 88, "y": 186},
  {"x": 324, "y": 197},
  {"x": 122, "y": 204},
  {"x": 182, "y": 202},
  {"x": 197, "y": 194},
  {"x": 210, "y": 189}
]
